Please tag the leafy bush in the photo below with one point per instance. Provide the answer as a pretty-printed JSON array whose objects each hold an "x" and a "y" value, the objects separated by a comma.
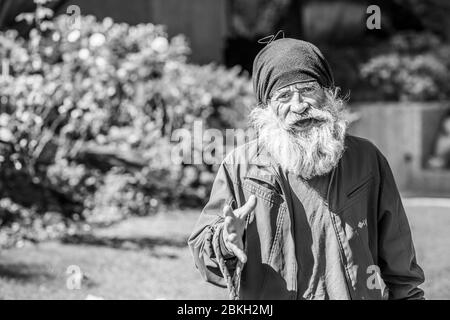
[
  {"x": 417, "y": 68},
  {"x": 86, "y": 117}
]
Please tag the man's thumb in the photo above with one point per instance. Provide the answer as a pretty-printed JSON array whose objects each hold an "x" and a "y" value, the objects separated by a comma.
[{"x": 248, "y": 207}]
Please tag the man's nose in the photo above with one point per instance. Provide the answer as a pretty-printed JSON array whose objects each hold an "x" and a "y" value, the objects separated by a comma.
[{"x": 299, "y": 106}]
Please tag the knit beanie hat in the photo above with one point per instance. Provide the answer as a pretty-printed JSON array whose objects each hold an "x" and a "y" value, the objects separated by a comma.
[{"x": 287, "y": 61}]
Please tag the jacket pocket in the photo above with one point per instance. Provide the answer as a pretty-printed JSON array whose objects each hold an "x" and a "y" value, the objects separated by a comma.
[
  {"x": 356, "y": 192},
  {"x": 263, "y": 188},
  {"x": 268, "y": 183},
  {"x": 359, "y": 187}
]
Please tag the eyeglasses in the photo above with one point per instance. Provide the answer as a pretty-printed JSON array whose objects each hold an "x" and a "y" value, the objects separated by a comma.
[{"x": 310, "y": 91}]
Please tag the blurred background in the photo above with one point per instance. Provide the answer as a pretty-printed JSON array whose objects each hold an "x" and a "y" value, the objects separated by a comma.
[{"x": 91, "y": 205}]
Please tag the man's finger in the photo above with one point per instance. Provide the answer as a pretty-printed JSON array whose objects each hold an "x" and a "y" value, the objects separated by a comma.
[
  {"x": 252, "y": 217},
  {"x": 239, "y": 253},
  {"x": 232, "y": 237},
  {"x": 229, "y": 226},
  {"x": 228, "y": 212},
  {"x": 248, "y": 207}
]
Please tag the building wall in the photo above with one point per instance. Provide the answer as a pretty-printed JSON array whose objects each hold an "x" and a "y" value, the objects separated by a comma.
[{"x": 405, "y": 134}]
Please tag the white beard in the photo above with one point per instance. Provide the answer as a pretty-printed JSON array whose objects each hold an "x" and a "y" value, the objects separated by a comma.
[{"x": 306, "y": 153}]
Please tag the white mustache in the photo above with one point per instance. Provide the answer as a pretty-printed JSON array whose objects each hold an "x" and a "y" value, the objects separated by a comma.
[{"x": 294, "y": 119}]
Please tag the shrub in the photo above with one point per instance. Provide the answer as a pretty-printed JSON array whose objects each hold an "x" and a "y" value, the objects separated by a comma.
[
  {"x": 417, "y": 68},
  {"x": 87, "y": 115}
]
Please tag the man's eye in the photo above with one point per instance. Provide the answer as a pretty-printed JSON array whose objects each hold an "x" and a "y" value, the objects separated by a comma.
[
  {"x": 284, "y": 96},
  {"x": 308, "y": 90},
  {"x": 313, "y": 93}
]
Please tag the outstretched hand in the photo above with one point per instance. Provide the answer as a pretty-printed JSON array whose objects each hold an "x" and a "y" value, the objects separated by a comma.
[{"x": 234, "y": 227}]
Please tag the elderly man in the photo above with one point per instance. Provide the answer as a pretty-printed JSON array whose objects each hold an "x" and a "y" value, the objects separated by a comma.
[{"x": 305, "y": 211}]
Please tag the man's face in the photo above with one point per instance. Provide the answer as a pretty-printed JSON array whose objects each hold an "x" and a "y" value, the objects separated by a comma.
[
  {"x": 303, "y": 128},
  {"x": 299, "y": 107}
]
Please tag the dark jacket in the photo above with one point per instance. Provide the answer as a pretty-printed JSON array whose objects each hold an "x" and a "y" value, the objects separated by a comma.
[{"x": 361, "y": 190}]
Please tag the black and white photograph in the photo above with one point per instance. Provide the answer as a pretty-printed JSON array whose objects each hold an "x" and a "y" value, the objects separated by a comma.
[{"x": 224, "y": 150}]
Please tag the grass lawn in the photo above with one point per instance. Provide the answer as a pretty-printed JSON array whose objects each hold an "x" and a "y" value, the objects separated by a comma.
[{"x": 147, "y": 258}]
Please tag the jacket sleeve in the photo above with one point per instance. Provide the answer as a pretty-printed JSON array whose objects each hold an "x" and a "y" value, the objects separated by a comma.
[
  {"x": 205, "y": 242},
  {"x": 396, "y": 258}
]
